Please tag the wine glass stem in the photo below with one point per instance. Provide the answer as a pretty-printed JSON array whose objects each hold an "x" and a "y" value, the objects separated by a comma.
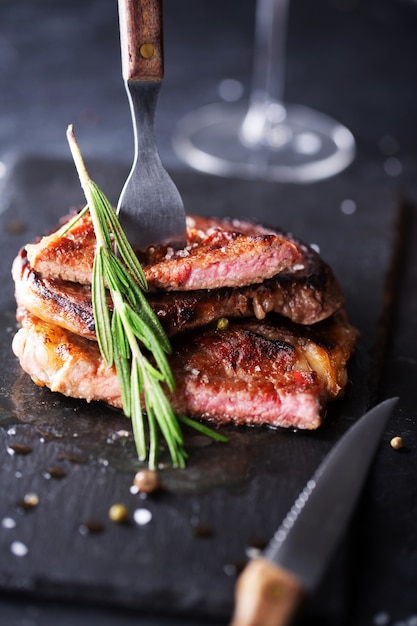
[{"x": 266, "y": 106}]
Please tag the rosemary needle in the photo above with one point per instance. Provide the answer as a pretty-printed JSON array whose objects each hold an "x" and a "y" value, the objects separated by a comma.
[{"x": 131, "y": 326}]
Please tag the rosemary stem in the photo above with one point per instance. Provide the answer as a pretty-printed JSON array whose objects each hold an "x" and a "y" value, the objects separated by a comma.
[
  {"x": 130, "y": 325},
  {"x": 85, "y": 183}
]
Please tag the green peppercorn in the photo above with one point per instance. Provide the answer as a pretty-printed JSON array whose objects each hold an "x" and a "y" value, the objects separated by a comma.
[{"x": 222, "y": 323}]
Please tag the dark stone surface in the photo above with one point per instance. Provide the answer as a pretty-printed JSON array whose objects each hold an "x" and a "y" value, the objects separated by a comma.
[{"x": 59, "y": 63}]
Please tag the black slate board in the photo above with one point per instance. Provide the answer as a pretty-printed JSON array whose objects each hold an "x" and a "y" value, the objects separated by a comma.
[{"x": 231, "y": 496}]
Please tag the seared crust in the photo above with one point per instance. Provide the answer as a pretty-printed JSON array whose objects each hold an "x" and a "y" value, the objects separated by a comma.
[
  {"x": 64, "y": 362},
  {"x": 58, "y": 302}
]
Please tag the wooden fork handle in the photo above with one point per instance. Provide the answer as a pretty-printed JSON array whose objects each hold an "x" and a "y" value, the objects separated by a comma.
[{"x": 141, "y": 39}]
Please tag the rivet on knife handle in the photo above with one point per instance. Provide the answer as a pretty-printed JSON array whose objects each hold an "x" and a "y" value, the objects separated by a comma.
[
  {"x": 266, "y": 595},
  {"x": 141, "y": 39}
]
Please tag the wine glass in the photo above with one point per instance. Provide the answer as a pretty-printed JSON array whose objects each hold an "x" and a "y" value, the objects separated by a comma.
[{"x": 268, "y": 139}]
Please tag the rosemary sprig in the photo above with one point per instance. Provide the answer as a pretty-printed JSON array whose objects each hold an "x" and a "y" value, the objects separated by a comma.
[{"x": 131, "y": 326}]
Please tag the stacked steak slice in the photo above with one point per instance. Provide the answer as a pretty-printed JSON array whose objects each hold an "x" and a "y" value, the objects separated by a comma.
[{"x": 255, "y": 317}]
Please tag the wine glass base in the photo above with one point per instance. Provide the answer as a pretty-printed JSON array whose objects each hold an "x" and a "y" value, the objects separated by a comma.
[{"x": 308, "y": 146}]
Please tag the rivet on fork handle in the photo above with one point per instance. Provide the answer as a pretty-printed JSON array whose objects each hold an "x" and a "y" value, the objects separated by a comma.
[{"x": 147, "y": 50}]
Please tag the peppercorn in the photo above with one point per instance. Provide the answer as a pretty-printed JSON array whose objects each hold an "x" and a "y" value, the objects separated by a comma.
[
  {"x": 146, "y": 481},
  {"x": 118, "y": 513},
  {"x": 222, "y": 323},
  {"x": 396, "y": 443}
]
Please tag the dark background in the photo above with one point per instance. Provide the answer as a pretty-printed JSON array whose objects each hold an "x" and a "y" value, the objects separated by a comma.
[
  {"x": 355, "y": 60},
  {"x": 60, "y": 63}
]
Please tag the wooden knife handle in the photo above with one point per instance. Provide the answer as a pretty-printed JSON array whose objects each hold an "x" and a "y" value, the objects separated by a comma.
[
  {"x": 141, "y": 39},
  {"x": 266, "y": 595}
]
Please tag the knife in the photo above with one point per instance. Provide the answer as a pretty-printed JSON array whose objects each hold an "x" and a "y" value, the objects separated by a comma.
[
  {"x": 273, "y": 585},
  {"x": 150, "y": 208}
]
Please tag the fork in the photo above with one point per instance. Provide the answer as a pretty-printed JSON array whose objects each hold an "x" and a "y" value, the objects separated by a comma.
[{"x": 150, "y": 208}]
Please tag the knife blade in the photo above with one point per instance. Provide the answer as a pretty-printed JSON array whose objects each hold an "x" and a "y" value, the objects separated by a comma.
[{"x": 273, "y": 585}]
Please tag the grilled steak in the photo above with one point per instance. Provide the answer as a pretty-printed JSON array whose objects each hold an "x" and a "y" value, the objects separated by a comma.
[
  {"x": 218, "y": 254},
  {"x": 282, "y": 357},
  {"x": 271, "y": 372},
  {"x": 60, "y": 302},
  {"x": 306, "y": 293},
  {"x": 64, "y": 362}
]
